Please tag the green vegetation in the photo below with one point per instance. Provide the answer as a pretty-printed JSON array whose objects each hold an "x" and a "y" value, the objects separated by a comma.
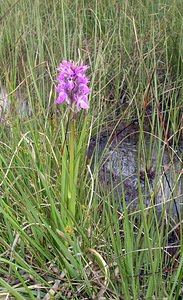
[{"x": 135, "y": 51}]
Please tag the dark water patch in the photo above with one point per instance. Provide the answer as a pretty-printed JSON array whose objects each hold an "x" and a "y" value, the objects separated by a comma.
[{"x": 156, "y": 170}]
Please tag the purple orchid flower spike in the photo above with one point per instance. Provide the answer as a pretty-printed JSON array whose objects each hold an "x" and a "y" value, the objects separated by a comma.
[{"x": 73, "y": 85}]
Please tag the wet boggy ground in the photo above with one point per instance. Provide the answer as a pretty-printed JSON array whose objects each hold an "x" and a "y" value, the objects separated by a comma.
[
  {"x": 153, "y": 169},
  {"x": 131, "y": 166}
]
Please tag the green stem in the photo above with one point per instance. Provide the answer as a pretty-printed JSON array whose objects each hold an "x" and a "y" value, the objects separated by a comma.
[{"x": 72, "y": 194}]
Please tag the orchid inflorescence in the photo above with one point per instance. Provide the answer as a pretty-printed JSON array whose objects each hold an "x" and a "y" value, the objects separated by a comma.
[{"x": 73, "y": 85}]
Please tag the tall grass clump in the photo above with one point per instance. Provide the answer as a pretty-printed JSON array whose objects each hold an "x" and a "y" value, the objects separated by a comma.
[{"x": 64, "y": 233}]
